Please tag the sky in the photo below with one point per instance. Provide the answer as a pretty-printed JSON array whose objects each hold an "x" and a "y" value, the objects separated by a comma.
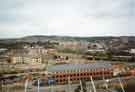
[{"x": 20, "y": 18}]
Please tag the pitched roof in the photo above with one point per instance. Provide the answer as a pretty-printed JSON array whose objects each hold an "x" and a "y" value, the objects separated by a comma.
[{"x": 78, "y": 67}]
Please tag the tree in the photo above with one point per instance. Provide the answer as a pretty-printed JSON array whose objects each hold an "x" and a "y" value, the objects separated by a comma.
[
  {"x": 109, "y": 55},
  {"x": 1, "y": 82}
]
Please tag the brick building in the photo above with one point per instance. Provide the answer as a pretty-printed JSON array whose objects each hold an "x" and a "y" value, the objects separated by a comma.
[{"x": 75, "y": 72}]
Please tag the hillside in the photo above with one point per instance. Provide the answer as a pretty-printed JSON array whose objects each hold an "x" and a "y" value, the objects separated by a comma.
[{"x": 42, "y": 38}]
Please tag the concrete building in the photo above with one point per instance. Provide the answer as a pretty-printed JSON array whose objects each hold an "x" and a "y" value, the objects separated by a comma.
[
  {"x": 25, "y": 59},
  {"x": 132, "y": 51},
  {"x": 96, "y": 51},
  {"x": 27, "y": 56},
  {"x": 37, "y": 51},
  {"x": 95, "y": 46},
  {"x": 30, "y": 55},
  {"x": 74, "y": 45}
]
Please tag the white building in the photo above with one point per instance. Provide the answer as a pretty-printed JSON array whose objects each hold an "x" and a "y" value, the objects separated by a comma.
[
  {"x": 27, "y": 56},
  {"x": 132, "y": 51},
  {"x": 26, "y": 60}
]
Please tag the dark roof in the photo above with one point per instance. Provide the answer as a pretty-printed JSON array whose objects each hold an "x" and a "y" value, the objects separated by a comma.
[{"x": 77, "y": 67}]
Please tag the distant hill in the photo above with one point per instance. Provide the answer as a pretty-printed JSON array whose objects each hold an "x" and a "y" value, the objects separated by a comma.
[
  {"x": 42, "y": 38},
  {"x": 123, "y": 42}
]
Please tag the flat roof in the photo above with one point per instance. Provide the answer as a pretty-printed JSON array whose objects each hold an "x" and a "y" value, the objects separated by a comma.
[{"x": 77, "y": 67}]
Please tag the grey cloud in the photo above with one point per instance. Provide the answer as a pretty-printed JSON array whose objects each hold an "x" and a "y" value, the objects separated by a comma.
[
  {"x": 7, "y": 5},
  {"x": 114, "y": 8},
  {"x": 42, "y": 17}
]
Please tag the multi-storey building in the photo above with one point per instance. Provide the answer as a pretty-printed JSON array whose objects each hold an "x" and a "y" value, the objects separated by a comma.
[
  {"x": 30, "y": 55},
  {"x": 25, "y": 59},
  {"x": 76, "y": 72}
]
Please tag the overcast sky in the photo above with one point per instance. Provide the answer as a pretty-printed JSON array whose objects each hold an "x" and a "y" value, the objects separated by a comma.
[{"x": 67, "y": 17}]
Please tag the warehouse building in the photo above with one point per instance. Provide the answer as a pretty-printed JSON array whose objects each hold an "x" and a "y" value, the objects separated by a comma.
[{"x": 62, "y": 74}]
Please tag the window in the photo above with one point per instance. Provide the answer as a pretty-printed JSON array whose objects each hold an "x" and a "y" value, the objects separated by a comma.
[
  {"x": 64, "y": 75},
  {"x": 81, "y": 74},
  {"x": 57, "y": 76}
]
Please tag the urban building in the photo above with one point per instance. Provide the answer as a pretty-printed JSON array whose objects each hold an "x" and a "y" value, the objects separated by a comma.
[
  {"x": 30, "y": 55},
  {"x": 132, "y": 51},
  {"x": 26, "y": 56},
  {"x": 25, "y": 59},
  {"x": 76, "y": 72},
  {"x": 95, "y": 46},
  {"x": 74, "y": 45}
]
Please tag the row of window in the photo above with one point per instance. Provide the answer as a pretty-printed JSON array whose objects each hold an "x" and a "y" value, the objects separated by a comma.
[
  {"x": 63, "y": 80},
  {"x": 87, "y": 70},
  {"x": 82, "y": 74}
]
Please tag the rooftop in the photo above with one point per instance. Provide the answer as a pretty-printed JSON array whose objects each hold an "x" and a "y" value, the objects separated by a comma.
[{"x": 78, "y": 67}]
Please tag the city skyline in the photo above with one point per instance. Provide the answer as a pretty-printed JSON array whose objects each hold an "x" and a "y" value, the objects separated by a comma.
[{"x": 20, "y": 18}]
